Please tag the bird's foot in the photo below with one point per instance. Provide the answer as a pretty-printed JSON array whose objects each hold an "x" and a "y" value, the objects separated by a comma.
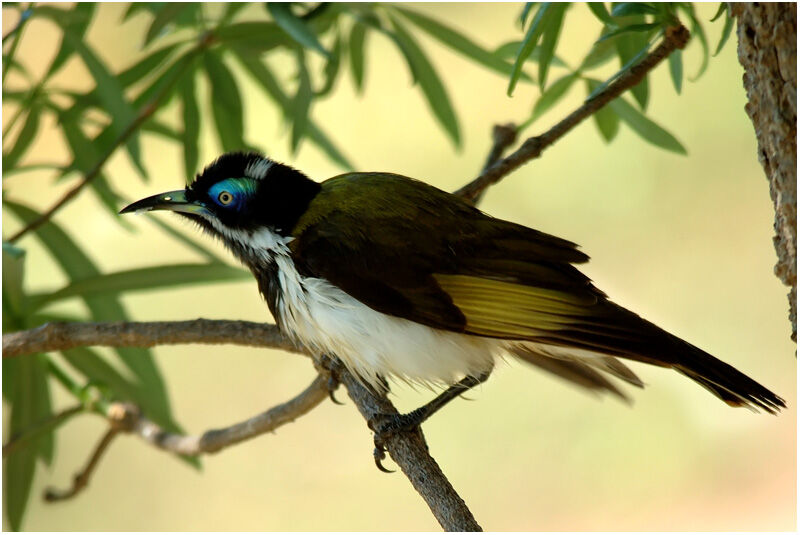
[
  {"x": 328, "y": 366},
  {"x": 385, "y": 426}
]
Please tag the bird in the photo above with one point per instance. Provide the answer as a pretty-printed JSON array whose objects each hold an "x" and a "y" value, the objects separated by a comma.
[{"x": 399, "y": 279}]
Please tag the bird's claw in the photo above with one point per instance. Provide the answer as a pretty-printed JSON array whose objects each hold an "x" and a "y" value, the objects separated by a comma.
[
  {"x": 333, "y": 384},
  {"x": 384, "y": 426}
]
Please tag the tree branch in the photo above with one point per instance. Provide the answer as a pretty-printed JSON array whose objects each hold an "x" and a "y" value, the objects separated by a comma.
[
  {"x": 63, "y": 336},
  {"x": 215, "y": 440},
  {"x": 81, "y": 479},
  {"x": 675, "y": 38},
  {"x": 16, "y": 442}
]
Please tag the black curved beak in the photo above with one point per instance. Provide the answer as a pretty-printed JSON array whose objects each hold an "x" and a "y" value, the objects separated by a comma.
[{"x": 174, "y": 201}]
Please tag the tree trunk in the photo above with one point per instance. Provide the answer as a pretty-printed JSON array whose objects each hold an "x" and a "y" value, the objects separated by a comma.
[{"x": 768, "y": 52}]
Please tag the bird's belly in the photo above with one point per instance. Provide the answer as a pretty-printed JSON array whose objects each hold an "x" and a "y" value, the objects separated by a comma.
[{"x": 371, "y": 343}]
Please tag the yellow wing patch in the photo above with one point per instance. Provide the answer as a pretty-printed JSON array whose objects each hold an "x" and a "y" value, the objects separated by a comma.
[{"x": 510, "y": 310}]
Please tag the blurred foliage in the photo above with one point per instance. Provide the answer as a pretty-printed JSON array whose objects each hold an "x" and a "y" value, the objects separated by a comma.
[{"x": 183, "y": 42}]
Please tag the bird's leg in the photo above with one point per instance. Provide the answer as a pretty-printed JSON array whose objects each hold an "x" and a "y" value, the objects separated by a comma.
[{"x": 384, "y": 425}]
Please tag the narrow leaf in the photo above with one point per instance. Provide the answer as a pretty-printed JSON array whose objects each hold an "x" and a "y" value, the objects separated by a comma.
[
  {"x": 165, "y": 15},
  {"x": 553, "y": 94},
  {"x": 431, "y": 85},
  {"x": 726, "y": 33},
  {"x": 149, "y": 278},
  {"x": 623, "y": 9},
  {"x": 190, "y": 137},
  {"x": 723, "y": 8},
  {"x": 601, "y": 53},
  {"x": 599, "y": 10},
  {"x": 358, "y": 36},
  {"x": 676, "y": 69},
  {"x": 549, "y": 40},
  {"x": 528, "y": 45},
  {"x": 635, "y": 28},
  {"x": 509, "y": 50},
  {"x": 632, "y": 47},
  {"x": 295, "y": 27},
  {"x": 458, "y": 42},
  {"x": 226, "y": 104},
  {"x": 523, "y": 17},
  {"x": 332, "y": 68},
  {"x": 24, "y": 139},
  {"x": 647, "y": 129},
  {"x": 28, "y": 407},
  {"x": 301, "y": 102}
]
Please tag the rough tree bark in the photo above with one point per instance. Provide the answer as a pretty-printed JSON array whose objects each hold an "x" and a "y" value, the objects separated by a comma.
[{"x": 768, "y": 52}]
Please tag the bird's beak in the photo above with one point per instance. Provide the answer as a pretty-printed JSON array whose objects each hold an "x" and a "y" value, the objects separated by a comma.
[{"x": 174, "y": 201}]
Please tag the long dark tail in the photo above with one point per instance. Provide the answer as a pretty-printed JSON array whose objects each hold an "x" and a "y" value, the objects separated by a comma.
[{"x": 619, "y": 332}]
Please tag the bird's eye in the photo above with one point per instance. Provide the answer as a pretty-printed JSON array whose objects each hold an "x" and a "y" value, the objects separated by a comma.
[{"x": 225, "y": 198}]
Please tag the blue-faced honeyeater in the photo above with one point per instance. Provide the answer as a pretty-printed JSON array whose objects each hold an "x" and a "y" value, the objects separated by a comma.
[{"x": 399, "y": 279}]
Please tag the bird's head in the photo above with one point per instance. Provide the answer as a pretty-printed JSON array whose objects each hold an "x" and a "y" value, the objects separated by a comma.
[{"x": 238, "y": 195}]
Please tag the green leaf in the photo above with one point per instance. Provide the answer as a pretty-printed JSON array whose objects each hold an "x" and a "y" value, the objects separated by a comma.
[
  {"x": 30, "y": 405},
  {"x": 265, "y": 78},
  {"x": 295, "y": 27},
  {"x": 149, "y": 278},
  {"x": 79, "y": 18},
  {"x": 155, "y": 126},
  {"x": 358, "y": 36},
  {"x": 257, "y": 37},
  {"x": 623, "y": 9},
  {"x": 697, "y": 30},
  {"x": 550, "y": 35},
  {"x": 111, "y": 95},
  {"x": 26, "y": 135},
  {"x": 529, "y": 44},
  {"x": 190, "y": 137},
  {"x": 429, "y": 81},
  {"x": 723, "y": 8},
  {"x": 726, "y": 33},
  {"x": 523, "y": 17},
  {"x": 458, "y": 42},
  {"x": 165, "y": 15},
  {"x": 509, "y": 50},
  {"x": 599, "y": 10},
  {"x": 226, "y": 104},
  {"x": 553, "y": 94},
  {"x": 145, "y": 66},
  {"x": 76, "y": 265},
  {"x": 600, "y": 53},
  {"x": 632, "y": 47},
  {"x": 647, "y": 129},
  {"x": 676, "y": 69},
  {"x": 633, "y": 61},
  {"x": 606, "y": 120},
  {"x": 301, "y": 102},
  {"x": 637, "y": 28},
  {"x": 332, "y": 68},
  {"x": 13, "y": 276}
]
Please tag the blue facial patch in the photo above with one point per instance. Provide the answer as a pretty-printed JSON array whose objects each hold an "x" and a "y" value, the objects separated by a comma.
[{"x": 232, "y": 192}]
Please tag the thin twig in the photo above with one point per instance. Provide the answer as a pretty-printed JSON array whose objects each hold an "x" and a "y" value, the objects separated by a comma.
[
  {"x": 16, "y": 442},
  {"x": 215, "y": 440},
  {"x": 410, "y": 452},
  {"x": 675, "y": 38},
  {"x": 61, "y": 336},
  {"x": 81, "y": 479},
  {"x": 503, "y": 136}
]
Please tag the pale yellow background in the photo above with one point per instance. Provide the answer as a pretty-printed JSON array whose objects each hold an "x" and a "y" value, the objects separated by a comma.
[{"x": 684, "y": 241}]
